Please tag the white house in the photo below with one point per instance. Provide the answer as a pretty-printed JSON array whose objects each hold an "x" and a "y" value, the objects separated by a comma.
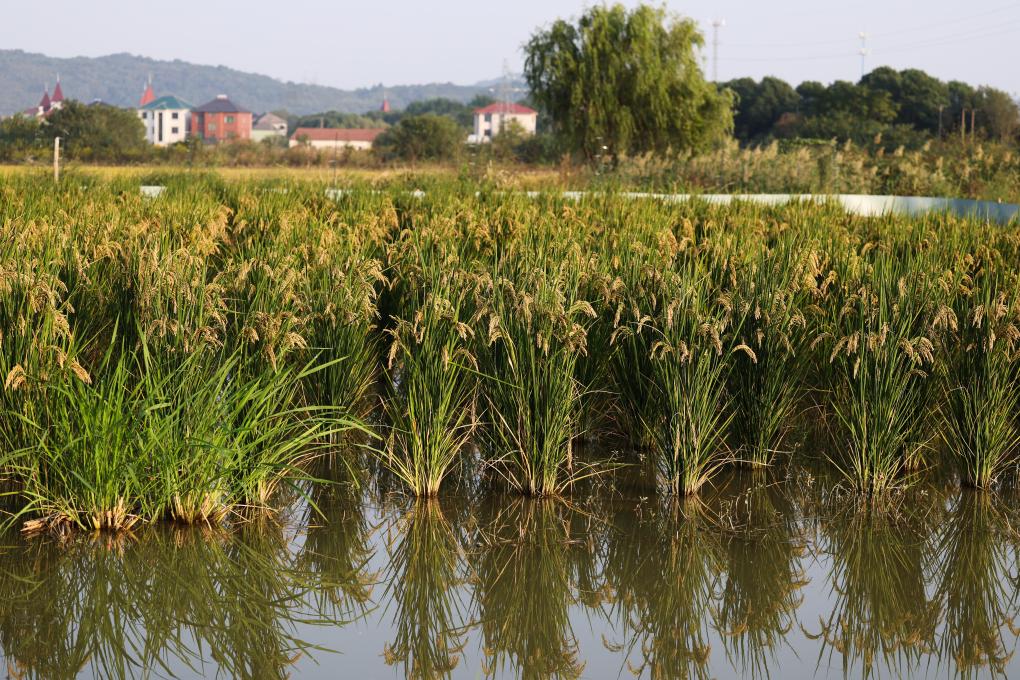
[
  {"x": 166, "y": 120},
  {"x": 489, "y": 120},
  {"x": 335, "y": 138},
  {"x": 267, "y": 126}
]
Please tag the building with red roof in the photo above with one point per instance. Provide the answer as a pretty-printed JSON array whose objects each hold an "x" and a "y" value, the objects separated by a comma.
[
  {"x": 489, "y": 120},
  {"x": 221, "y": 120},
  {"x": 335, "y": 138},
  {"x": 48, "y": 104},
  {"x": 57, "y": 100}
]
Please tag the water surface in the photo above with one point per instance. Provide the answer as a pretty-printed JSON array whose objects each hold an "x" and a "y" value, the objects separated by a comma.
[{"x": 783, "y": 579}]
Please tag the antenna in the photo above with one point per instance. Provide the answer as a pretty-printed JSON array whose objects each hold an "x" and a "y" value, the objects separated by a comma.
[
  {"x": 864, "y": 50},
  {"x": 716, "y": 25},
  {"x": 503, "y": 93}
]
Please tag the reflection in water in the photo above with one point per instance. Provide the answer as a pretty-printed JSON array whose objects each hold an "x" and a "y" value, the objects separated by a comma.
[
  {"x": 170, "y": 601},
  {"x": 882, "y": 612},
  {"x": 337, "y": 550},
  {"x": 977, "y": 568},
  {"x": 525, "y": 562},
  {"x": 662, "y": 562},
  {"x": 753, "y": 580},
  {"x": 761, "y": 588},
  {"x": 423, "y": 576}
]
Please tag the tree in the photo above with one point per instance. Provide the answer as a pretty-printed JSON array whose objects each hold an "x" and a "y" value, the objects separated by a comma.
[
  {"x": 623, "y": 82},
  {"x": 97, "y": 132},
  {"x": 425, "y": 137},
  {"x": 462, "y": 113},
  {"x": 759, "y": 106},
  {"x": 997, "y": 113},
  {"x": 19, "y": 137},
  {"x": 918, "y": 97}
]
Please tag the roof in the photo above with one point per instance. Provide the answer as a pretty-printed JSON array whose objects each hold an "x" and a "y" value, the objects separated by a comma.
[
  {"x": 164, "y": 103},
  {"x": 45, "y": 101},
  {"x": 148, "y": 96},
  {"x": 507, "y": 107},
  {"x": 58, "y": 94},
  {"x": 267, "y": 121},
  {"x": 221, "y": 104},
  {"x": 337, "y": 134}
]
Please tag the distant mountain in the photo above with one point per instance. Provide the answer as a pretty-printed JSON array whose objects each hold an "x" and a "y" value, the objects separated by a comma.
[{"x": 120, "y": 78}]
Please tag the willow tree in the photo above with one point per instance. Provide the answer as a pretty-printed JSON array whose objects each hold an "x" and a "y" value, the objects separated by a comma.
[{"x": 625, "y": 82}]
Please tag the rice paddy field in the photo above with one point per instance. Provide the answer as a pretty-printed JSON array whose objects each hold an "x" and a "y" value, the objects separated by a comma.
[{"x": 256, "y": 428}]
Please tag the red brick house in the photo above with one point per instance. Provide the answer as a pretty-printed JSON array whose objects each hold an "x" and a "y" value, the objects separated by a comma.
[{"x": 220, "y": 120}]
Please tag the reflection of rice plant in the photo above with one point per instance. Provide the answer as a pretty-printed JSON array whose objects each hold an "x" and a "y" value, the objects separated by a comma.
[
  {"x": 424, "y": 574},
  {"x": 760, "y": 591},
  {"x": 882, "y": 612},
  {"x": 974, "y": 568},
  {"x": 662, "y": 566},
  {"x": 524, "y": 590},
  {"x": 183, "y": 600}
]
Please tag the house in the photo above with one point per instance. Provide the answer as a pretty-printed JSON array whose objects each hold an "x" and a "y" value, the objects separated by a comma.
[
  {"x": 165, "y": 119},
  {"x": 489, "y": 120},
  {"x": 335, "y": 139},
  {"x": 221, "y": 120},
  {"x": 47, "y": 104},
  {"x": 268, "y": 126}
]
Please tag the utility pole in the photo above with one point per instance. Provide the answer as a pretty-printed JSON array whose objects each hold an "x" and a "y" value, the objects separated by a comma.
[
  {"x": 973, "y": 115},
  {"x": 716, "y": 25},
  {"x": 56, "y": 160},
  {"x": 963, "y": 125},
  {"x": 864, "y": 50},
  {"x": 941, "y": 107}
]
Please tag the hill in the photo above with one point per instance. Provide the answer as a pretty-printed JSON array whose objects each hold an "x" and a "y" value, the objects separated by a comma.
[{"x": 119, "y": 79}]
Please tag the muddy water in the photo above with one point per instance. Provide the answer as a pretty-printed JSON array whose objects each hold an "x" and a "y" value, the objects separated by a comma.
[{"x": 784, "y": 580}]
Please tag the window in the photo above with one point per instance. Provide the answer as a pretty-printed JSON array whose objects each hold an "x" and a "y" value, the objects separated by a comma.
[
  {"x": 174, "y": 115},
  {"x": 145, "y": 115},
  {"x": 212, "y": 127},
  {"x": 488, "y": 118},
  {"x": 174, "y": 130},
  {"x": 230, "y": 119}
]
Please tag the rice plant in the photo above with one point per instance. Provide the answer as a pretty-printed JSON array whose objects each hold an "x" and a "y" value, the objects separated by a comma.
[
  {"x": 881, "y": 359},
  {"x": 981, "y": 394},
  {"x": 431, "y": 391},
  {"x": 536, "y": 336}
]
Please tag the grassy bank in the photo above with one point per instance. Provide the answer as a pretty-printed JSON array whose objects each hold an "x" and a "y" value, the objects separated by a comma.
[
  {"x": 187, "y": 357},
  {"x": 976, "y": 170}
]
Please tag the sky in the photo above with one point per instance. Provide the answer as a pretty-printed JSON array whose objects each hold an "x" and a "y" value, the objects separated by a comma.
[{"x": 361, "y": 43}]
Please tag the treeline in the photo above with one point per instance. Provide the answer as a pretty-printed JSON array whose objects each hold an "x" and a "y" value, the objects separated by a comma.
[
  {"x": 461, "y": 113},
  {"x": 907, "y": 108}
]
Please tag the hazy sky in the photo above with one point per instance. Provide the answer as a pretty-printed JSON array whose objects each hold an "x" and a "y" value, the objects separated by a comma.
[{"x": 357, "y": 43}]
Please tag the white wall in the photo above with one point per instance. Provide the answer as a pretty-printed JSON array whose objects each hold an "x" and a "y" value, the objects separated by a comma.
[
  {"x": 330, "y": 144},
  {"x": 527, "y": 121},
  {"x": 151, "y": 120}
]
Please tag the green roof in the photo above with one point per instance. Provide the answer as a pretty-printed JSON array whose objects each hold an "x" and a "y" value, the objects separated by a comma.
[{"x": 164, "y": 103}]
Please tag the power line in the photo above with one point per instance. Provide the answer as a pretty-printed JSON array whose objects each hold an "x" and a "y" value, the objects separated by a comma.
[
  {"x": 935, "y": 41},
  {"x": 883, "y": 34}
]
